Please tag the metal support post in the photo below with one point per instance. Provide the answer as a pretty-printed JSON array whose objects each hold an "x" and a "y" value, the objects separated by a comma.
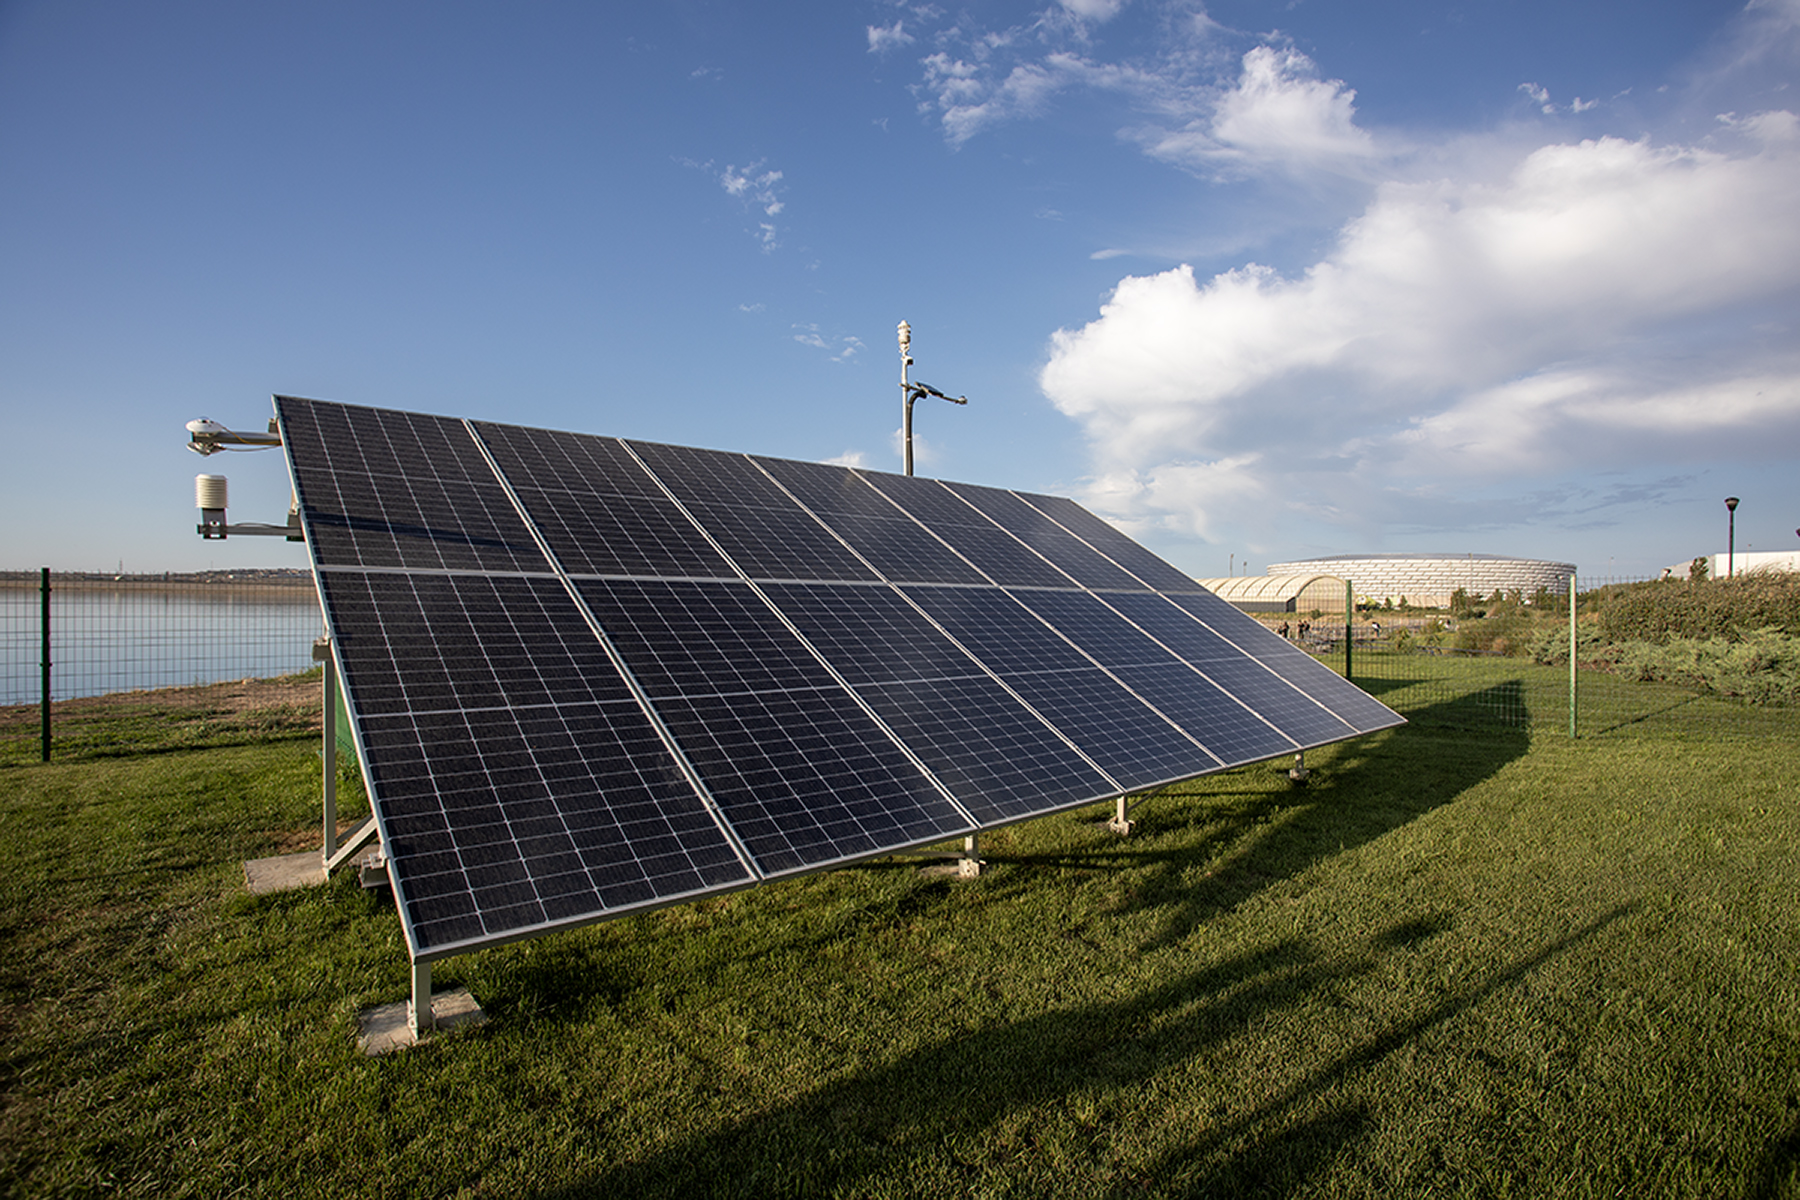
[
  {"x": 906, "y": 399},
  {"x": 1121, "y": 822},
  {"x": 968, "y": 866},
  {"x": 1349, "y": 622},
  {"x": 1574, "y": 687},
  {"x": 1299, "y": 772},
  {"x": 328, "y": 754},
  {"x": 418, "y": 1009},
  {"x": 44, "y": 595}
]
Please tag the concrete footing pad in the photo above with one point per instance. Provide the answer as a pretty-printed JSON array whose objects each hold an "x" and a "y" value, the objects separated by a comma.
[
  {"x": 385, "y": 1029},
  {"x": 283, "y": 872}
]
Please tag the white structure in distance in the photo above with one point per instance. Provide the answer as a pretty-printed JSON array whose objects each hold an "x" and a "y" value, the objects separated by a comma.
[
  {"x": 1744, "y": 562},
  {"x": 1429, "y": 580}
]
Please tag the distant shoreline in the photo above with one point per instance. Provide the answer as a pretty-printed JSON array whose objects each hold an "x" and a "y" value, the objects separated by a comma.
[{"x": 283, "y": 579}]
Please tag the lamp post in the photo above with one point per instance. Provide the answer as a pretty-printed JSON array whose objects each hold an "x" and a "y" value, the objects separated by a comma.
[
  {"x": 912, "y": 391},
  {"x": 1731, "y": 503}
]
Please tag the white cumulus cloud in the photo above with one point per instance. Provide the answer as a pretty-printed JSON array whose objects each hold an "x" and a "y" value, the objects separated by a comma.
[
  {"x": 1599, "y": 306},
  {"x": 1277, "y": 114}
]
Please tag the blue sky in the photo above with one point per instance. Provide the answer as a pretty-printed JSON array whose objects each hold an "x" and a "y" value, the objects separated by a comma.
[{"x": 1255, "y": 280}]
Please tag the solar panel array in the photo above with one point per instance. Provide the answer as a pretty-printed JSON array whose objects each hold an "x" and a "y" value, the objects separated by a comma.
[{"x": 589, "y": 675}]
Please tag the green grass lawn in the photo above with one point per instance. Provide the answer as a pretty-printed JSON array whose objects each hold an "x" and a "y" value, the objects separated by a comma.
[{"x": 1458, "y": 961}]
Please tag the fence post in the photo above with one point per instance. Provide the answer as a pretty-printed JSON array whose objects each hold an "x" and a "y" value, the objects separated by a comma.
[
  {"x": 1349, "y": 619},
  {"x": 1574, "y": 688},
  {"x": 44, "y": 635}
]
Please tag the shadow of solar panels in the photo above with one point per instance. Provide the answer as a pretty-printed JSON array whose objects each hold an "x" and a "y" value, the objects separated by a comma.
[{"x": 589, "y": 676}]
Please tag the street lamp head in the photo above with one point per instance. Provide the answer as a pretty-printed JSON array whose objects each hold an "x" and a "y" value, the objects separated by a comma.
[
  {"x": 1731, "y": 503},
  {"x": 905, "y": 337}
]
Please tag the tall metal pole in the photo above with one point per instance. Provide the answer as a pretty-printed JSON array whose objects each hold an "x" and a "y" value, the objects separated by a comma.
[
  {"x": 906, "y": 397},
  {"x": 1731, "y": 503}
]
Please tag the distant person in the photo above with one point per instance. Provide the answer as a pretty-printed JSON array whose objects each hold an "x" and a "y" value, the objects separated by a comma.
[
  {"x": 1284, "y": 629},
  {"x": 1305, "y": 628}
]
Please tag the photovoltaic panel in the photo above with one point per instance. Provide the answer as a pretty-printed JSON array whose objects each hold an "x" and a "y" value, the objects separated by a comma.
[
  {"x": 998, "y": 555},
  {"x": 1120, "y": 549},
  {"x": 802, "y": 772},
  {"x": 597, "y": 507},
  {"x": 1350, "y": 703},
  {"x": 394, "y": 489},
  {"x": 1116, "y": 729},
  {"x": 1063, "y": 549},
  {"x": 517, "y": 782},
  {"x": 893, "y": 543},
  {"x": 589, "y": 676},
  {"x": 1000, "y": 760},
  {"x": 827, "y": 489},
  {"x": 757, "y": 524},
  {"x": 1228, "y": 728},
  {"x": 1298, "y": 710}
]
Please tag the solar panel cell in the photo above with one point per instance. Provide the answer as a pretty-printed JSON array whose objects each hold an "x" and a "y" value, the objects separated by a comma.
[
  {"x": 1063, "y": 549},
  {"x": 1113, "y": 727},
  {"x": 1120, "y": 549},
  {"x": 413, "y": 492},
  {"x": 492, "y": 784},
  {"x": 826, "y": 489},
  {"x": 807, "y": 778}
]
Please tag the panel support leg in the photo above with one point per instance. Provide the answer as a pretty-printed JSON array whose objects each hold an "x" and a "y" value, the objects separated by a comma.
[
  {"x": 968, "y": 865},
  {"x": 418, "y": 1010},
  {"x": 1298, "y": 774},
  {"x": 328, "y": 754},
  {"x": 1121, "y": 822}
]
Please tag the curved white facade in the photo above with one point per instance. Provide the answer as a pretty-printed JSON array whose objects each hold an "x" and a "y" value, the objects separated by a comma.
[{"x": 1429, "y": 580}]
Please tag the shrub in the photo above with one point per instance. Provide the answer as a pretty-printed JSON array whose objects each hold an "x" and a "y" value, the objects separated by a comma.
[
  {"x": 1724, "y": 608},
  {"x": 1503, "y": 628},
  {"x": 1761, "y": 666}
]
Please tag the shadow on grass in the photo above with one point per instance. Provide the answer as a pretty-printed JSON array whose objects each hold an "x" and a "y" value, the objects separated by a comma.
[
  {"x": 936, "y": 1109},
  {"x": 1272, "y": 831}
]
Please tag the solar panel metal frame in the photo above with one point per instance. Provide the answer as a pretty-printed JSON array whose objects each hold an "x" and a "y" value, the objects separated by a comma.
[{"x": 1022, "y": 590}]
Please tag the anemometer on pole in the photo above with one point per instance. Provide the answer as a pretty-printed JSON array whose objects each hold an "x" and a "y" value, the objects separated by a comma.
[{"x": 912, "y": 391}]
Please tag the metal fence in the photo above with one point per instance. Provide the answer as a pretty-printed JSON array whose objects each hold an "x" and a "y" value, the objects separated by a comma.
[
  {"x": 97, "y": 664},
  {"x": 153, "y": 662},
  {"x": 1441, "y": 669}
]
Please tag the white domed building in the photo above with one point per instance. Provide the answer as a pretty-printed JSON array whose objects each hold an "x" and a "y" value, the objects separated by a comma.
[{"x": 1429, "y": 580}]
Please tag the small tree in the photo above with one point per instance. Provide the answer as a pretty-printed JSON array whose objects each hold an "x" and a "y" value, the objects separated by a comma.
[{"x": 1697, "y": 570}]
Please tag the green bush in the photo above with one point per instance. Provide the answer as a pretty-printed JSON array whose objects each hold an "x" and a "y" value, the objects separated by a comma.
[
  {"x": 1506, "y": 628},
  {"x": 1761, "y": 666},
  {"x": 1722, "y": 608}
]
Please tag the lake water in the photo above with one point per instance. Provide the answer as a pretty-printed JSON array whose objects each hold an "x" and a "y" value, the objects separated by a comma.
[{"x": 150, "y": 636}]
